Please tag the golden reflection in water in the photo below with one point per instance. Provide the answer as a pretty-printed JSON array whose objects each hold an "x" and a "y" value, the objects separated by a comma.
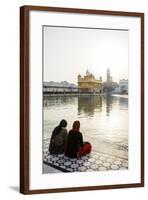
[{"x": 89, "y": 105}]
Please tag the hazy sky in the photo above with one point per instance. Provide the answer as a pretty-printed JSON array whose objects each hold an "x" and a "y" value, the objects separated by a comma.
[{"x": 70, "y": 51}]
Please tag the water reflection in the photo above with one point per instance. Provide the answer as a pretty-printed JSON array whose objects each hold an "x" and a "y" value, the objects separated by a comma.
[
  {"x": 56, "y": 101},
  {"x": 89, "y": 105},
  {"x": 109, "y": 103},
  {"x": 123, "y": 103}
]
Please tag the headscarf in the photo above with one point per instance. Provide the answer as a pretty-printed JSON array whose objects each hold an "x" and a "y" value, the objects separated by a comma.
[
  {"x": 62, "y": 124},
  {"x": 76, "y": 126}
]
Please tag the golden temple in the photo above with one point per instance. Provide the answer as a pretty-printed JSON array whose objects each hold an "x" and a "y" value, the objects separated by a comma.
[{"x": 88, "y": 83}]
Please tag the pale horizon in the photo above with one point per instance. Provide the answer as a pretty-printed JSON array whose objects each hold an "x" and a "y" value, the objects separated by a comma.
[{"x": 71, "y": 51}]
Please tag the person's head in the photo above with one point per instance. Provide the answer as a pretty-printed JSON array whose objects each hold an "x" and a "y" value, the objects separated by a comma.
[
  {"x": 63, "y": 123},
  {"x": 76, "y": 126}
]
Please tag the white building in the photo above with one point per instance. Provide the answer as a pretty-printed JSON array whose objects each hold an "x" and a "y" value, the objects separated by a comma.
[
  {"x": 123, "y": 86},
  {"x": 59, "y": 87}
]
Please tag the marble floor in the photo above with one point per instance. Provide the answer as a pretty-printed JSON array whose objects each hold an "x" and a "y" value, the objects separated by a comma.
[{"x": 95, "y": 161}]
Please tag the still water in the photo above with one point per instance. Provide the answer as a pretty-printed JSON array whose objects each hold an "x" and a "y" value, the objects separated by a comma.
[{"x": 104, "y": 120}]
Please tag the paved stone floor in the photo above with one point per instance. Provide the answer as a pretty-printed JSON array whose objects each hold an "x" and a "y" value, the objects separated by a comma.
[
  {"x": 48, "y": 169},
  {"x": 91, "y": 162}
]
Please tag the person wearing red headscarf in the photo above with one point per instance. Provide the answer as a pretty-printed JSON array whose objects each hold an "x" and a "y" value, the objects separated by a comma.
[{"x": 75, "y": 146}]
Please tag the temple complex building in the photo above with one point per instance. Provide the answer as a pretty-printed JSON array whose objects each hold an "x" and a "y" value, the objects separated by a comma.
[
  {"x": 88, "y": 83},
  {"x": 123, "y": 86},
  {"x": 109, "y": 86},
  {"x": 109, "y": 79}
]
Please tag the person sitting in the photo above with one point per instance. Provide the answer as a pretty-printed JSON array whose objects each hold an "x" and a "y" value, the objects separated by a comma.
[
  {"x": 75, "y": 147},
  {"x": 58, "y": 138}
]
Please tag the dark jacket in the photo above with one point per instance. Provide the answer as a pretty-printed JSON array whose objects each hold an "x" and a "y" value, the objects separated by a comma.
[
  {"x": 58, "y": 141},
  {"x": 74, "y": 143}
]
